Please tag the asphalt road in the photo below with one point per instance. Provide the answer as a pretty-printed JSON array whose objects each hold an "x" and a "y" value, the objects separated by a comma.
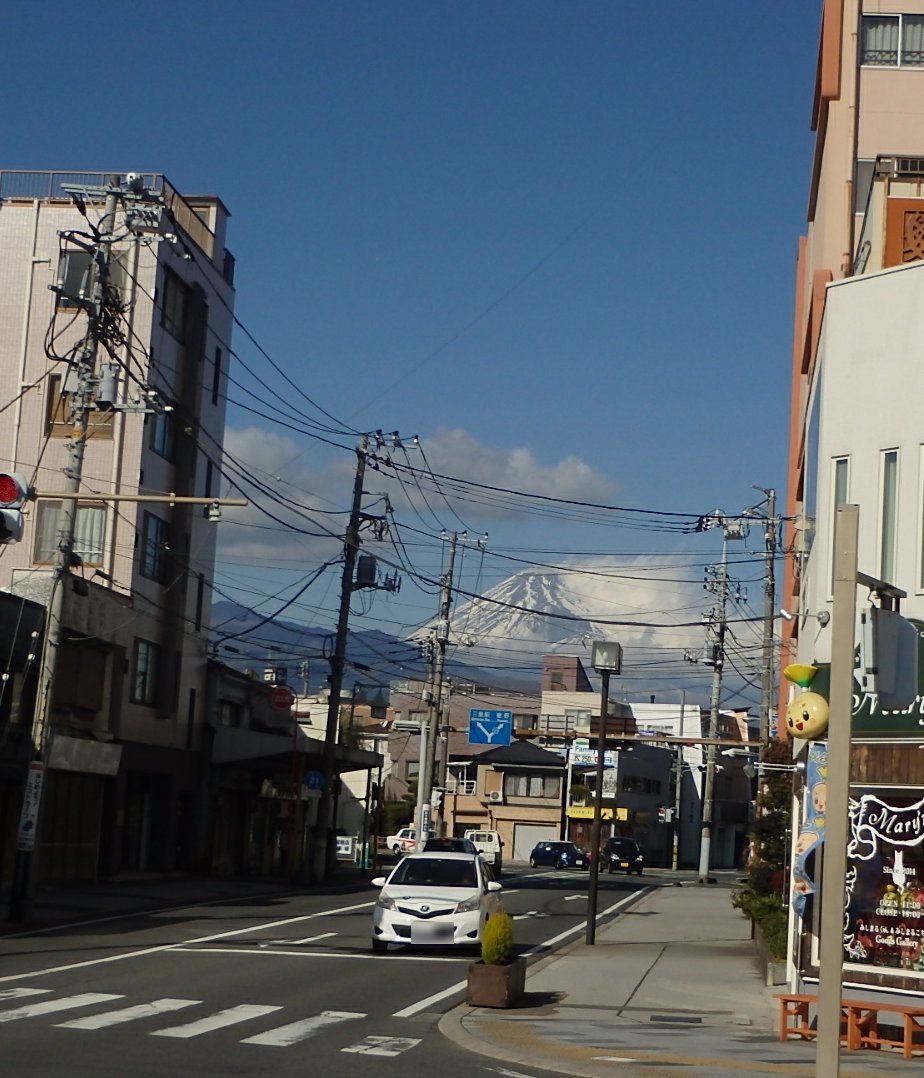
[{"x": 288, "y": 984}]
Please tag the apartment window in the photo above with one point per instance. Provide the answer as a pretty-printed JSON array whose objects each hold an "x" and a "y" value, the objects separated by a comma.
[
  {"x": 145, "y": 672},
  {"x": 173, "y": 307},
  {"x": 163, "y": 434},
  {"x": 59, "y": 422},
  {"x": 888, "y": 518},
  {"x": 547, "y": 786},
  {"x": 892, "y": 41},
  {"x": 154, "y": 546},
  {"x": 209, "y": 476},
  {"x": 216, "y": 376},
  {"x": 840, "y": 492},
  {"x": 89, "y": 530},
  {"x": 200, "y": 599}
]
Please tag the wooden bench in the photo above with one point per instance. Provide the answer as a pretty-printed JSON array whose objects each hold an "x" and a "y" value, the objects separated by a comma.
[{"x": 859, "y": 1022}]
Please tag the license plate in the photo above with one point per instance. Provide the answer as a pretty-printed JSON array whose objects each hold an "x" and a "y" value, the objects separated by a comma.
[
  {"x": 623, "y": 864},
  {"x": 431, "y": 933}
]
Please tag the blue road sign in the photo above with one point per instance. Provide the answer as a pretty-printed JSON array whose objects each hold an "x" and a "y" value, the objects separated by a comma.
[{"x": 489, "y": 727}]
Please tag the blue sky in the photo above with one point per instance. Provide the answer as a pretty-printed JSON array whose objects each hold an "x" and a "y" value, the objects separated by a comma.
[{"x": 559, "y": 230}]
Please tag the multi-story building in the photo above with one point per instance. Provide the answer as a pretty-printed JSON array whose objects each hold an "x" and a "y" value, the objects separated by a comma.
[
  {"x": 857, "y": 437},
  {"x": 127, "y": 709}
]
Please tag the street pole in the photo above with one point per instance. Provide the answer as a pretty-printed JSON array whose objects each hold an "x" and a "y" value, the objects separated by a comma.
[
  {"x": 766, "y": 688},
  {"x": 422, "y": 813},
  {"x": 590, "y": 937},
  {"x": 25, "y": 878},
  {"x": 834, "y": 864},
  {"x": 425, "y": 779},
  {"x": 323, "y": 854},
  {"x": 705, "y": 842},
  {"x": 566, "y": 797}
]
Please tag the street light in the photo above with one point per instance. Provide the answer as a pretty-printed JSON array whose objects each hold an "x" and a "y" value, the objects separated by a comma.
[{"x": 606, "y": 658}]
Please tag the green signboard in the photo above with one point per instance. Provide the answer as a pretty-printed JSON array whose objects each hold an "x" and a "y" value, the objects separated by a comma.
[{"x": 868, "y": 718}]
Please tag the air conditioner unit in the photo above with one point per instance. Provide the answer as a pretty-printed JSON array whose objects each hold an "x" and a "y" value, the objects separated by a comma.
[{"x": 495, "y": 796}]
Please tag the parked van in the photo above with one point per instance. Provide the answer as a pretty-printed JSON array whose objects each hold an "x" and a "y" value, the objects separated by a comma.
[{"x": 489, "y": 845}]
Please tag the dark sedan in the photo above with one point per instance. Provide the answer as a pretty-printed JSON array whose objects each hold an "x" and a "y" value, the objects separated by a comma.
[{"x": 559, "y": 855}]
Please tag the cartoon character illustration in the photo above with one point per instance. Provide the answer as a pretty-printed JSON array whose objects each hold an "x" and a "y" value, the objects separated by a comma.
[{"x": 806, "y": 714}]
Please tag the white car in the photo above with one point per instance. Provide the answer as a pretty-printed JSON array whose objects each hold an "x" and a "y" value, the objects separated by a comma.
[
  {"x": 431, "y": 899},
  {"x": 405, "y": 841}
]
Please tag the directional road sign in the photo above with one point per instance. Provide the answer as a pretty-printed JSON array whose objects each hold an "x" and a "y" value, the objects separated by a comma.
[{"x": 489, "y": 727}]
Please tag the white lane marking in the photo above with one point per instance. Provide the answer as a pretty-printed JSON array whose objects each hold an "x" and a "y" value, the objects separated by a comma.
[
  {"x": 308, "y": 939},
  {"x": 49, "y": 1006},
  {"x": 437, "y": 997},
  {"x": 154, "y": 910},
  {"x": 228, "y": 1017},
  {"x": 396, "y": 957},
  {"x": 299, "y": 1031},
  {"x": 129, "y": 1014},
  {"x": 382, "y": 1046},
  {"x": 616, "y": 1059},
  {"x": 508, "y": 1074},
  {"x": 18, "y": 993},
  {"x": 185, "y": 943},
  {"x": 571, "y": 898}
]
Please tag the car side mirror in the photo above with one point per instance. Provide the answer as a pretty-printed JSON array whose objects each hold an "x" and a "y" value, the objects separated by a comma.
[
  {"x": 493, "y": 885},
  {"x": 379, "y": 881}
]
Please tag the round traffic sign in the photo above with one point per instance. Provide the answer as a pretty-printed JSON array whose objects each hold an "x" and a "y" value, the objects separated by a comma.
[{"x": 282, "y": 697}]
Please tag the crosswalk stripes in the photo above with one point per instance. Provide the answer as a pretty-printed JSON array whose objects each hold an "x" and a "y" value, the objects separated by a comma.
[
  {"x": 280, "y": 1037},
  {"x": 221, "y": 1019},
  {"x": 128, "y": 1014},
  {"x": 382, "y": 1046},
  {"x": 50, "y": 1006},
  {"x": 298, "y": 1031}
]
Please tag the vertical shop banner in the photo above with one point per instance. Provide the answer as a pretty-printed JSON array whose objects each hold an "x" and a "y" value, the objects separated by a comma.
[
  {"x": 812, "y": 834},
  {"x": 885, "y": 881}
]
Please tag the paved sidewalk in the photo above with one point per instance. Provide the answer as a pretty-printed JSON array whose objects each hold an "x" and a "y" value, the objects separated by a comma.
[
  {"x": 139, "y": 893},
  {"x": 671, "y": 987}
]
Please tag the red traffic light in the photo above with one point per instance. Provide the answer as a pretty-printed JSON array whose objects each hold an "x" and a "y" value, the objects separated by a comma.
[{"x": 13, "y": 488}]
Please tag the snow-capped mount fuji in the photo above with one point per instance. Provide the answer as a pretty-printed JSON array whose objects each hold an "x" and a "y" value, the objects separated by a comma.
[{"x": 543, "y": 611}]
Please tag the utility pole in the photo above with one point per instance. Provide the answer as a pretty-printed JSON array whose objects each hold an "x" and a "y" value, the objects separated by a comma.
[
  {"x": 766, "y": 687},
  {"x": 428, "y": 758},
  {"x": 323, "y": 855},
  {"x": 26, "y": 869},
  {"x": 731, "y": 529},
  {"x": 678, "y": 789}
]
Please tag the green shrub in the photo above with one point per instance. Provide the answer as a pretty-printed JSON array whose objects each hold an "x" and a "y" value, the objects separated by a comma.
[
  {"x": 497, "y": 939},
  {"x": 769, "y": 913}
]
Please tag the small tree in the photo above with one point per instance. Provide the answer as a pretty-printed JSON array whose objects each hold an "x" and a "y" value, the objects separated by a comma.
[
  {"x": 774, "y": 810},
  {"x": 497, "y": 939}
]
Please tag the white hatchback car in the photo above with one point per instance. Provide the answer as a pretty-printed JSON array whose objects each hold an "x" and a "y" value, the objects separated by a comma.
[{"x": 434, "y": 899}]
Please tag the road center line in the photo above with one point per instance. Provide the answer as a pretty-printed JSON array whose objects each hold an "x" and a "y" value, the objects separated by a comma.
[
  {"x": 315, "y": 954},
  {"x": 184, "y": 943}
]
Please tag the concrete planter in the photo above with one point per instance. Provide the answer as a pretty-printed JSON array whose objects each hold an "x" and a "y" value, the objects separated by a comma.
[
  {"x": 500, "y": 985},
  {"x": 774, "y": 968}
]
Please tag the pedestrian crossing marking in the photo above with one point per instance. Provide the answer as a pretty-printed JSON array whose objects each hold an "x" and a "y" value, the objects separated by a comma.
[
  {"x": 229, "y": 1017},
  {"x": 129, "y": 1014},
  {"x": 18, "y": 993},
  {"x": 382, "y": 1046},
  {"x": 299, "y": 1031},
  {"x": 49, "y": 1006}
]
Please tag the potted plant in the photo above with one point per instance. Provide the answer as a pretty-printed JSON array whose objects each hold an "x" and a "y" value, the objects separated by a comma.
[{"x": 499, "y": 979}]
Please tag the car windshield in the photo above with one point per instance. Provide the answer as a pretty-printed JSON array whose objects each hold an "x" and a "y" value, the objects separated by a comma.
[
  {"x": 623, "y": 845},
  {"x": 435, "y": 872}
]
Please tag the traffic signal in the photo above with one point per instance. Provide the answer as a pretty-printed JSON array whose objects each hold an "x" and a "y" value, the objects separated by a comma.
[{"x": 14, "y": 491}]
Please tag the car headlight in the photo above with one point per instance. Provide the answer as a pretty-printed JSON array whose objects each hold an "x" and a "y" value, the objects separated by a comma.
[
  {"x": 385, "y": 902},
  {"x": 470, "y": 905}
]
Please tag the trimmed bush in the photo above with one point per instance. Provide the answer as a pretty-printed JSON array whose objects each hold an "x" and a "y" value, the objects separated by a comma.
[
  {"x": 769, "y": 913},
  {"x": 497, "y": 939}
]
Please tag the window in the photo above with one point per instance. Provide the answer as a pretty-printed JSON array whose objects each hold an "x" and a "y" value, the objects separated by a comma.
[
  {"x": 892, "y": 41},
  {"x": 209, "y": 473},
  {"x": 548, "y": 786},
  {"x": 154, "y": 547},
  {"x": 89, "y": 530},
  {"x": 173, "y": 307},
  {"x": 888, "y": 516},
  {"x": 74, "y": 278},
  {"x": 200, "y": 597},
  {"x": 230, "y": 713},
  {"x": 59, "y": 422},
  {"x": 840, "y": 492},
  {"x": 163, "y": 434},
  {"x": 216, "y": 376},
  {"x": 145, "y": 672}
]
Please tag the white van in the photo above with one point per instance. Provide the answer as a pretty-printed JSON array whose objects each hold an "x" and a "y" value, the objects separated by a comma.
[
  {"x": 489, "y": 845},
  {"x": 405, "y": 841}
]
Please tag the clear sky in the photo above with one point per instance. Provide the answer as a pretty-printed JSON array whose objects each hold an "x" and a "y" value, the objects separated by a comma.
[{"x": 554, "y": 240}]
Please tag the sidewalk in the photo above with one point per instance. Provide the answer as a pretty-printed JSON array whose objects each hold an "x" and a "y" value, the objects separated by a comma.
[
  {"x": 671, "y": 985},
  {"x": 139, "y": 893}
]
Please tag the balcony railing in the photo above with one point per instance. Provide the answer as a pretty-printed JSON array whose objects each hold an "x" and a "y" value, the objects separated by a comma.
[{"x": 460, "y": 786}]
